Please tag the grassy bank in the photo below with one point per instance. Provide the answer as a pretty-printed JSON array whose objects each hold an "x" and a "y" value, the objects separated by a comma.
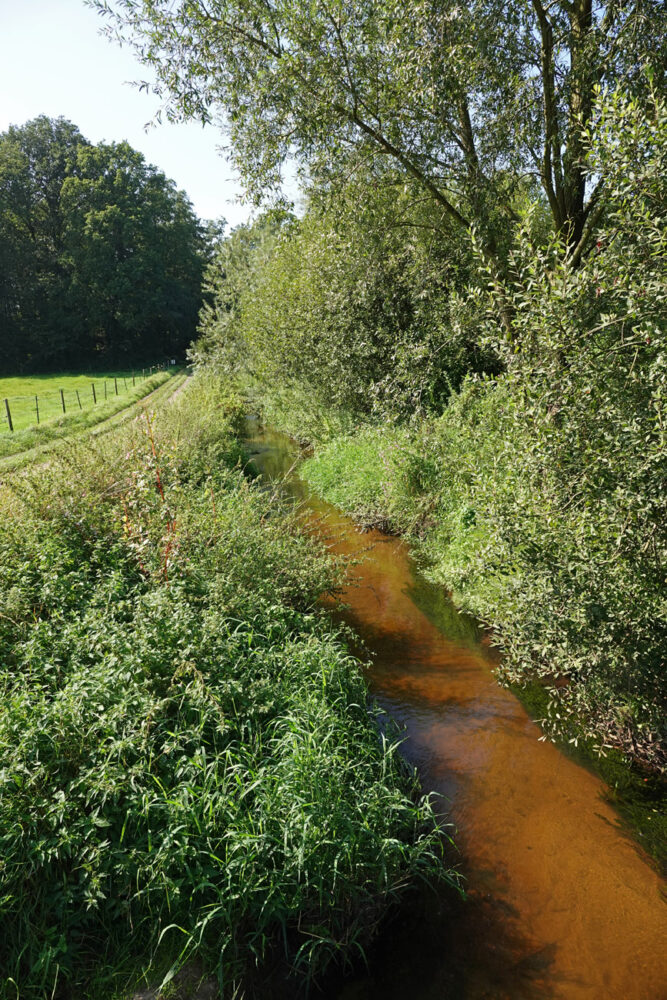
[
  {"x": 189, "y": 770},
  {"x": 572, "y": 603},
  {"x": 55, "y": 424}
]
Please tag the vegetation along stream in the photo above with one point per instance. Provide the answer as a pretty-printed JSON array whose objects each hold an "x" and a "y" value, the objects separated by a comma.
[{"x": 561, "y": 902}]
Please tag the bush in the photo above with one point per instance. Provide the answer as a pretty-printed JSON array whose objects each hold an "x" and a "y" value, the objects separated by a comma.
[{"x": 339, "y": 317}]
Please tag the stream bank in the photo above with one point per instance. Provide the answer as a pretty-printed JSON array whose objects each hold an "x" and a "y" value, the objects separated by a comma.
[{"x": 562, "y": 903}]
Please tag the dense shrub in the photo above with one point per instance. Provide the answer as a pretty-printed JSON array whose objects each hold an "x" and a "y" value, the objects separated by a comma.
[{"x": 344, "y": 314}]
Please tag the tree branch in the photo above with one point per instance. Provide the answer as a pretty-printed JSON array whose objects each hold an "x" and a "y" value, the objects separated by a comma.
[
  {"x": 550, "y": 112},
  {"x": 406, "y": 162}
]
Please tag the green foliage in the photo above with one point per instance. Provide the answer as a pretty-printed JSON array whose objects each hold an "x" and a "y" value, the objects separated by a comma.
[
  {"x": 229, "y": 274},
  {"x": 345, "y": 313},
  {"x": 100, "y": 255},
  {"x": 461, "y": 98},
  {"x": 189, "y": 769},
  {"x": 540, "y": 496},
  {"x": 34, "y": 162},
  {"x": 133, "y": 244},
  {"x": 358, "y": 474}
]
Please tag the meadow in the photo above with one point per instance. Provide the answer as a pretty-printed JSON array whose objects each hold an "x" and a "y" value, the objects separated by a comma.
[
  {"x": 54, "y": 425},
  {"x": 35, "y": 399}
]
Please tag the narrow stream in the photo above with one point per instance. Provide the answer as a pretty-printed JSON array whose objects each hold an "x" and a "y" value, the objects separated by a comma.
[{"x": 562, "y": 903}]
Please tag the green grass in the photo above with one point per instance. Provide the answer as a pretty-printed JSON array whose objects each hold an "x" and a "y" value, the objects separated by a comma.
[
  {"x": 76, "y": 420},
  {"x": 22, "y": 391},
  {"x": 188, "y": 768}
]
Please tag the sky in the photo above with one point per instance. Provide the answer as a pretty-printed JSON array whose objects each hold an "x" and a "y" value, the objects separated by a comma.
[{"x": 54, "y": 61}]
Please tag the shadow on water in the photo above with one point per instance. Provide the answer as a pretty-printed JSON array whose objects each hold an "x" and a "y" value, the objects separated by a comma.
[
  {"x": 434, "y": 603},
  {"x": 561, "y": 906}
]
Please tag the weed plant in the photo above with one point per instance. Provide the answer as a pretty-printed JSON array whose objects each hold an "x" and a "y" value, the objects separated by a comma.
[{"x": 190, "y": 772}]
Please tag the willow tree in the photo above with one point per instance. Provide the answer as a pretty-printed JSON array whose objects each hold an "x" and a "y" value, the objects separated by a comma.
[{"x": 464, "y": 98}]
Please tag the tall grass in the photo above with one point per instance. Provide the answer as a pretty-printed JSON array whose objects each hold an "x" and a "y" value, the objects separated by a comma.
[{"x": 188, "y": 767}]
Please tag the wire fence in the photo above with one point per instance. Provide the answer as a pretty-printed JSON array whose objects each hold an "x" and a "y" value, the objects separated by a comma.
[{"x": 22, "y": 412}]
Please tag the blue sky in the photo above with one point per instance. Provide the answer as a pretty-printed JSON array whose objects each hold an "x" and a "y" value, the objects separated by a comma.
[{"x": 53, "y": 61}]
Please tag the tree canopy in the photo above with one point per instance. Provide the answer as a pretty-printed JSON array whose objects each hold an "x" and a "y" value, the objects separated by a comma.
[
  {"x": 101, "y": 256},
  {"x": 463, "y": 98}
]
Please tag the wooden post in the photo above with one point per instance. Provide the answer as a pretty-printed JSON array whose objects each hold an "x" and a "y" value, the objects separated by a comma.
[
  {"x": 115, "y": 382},
  {"x": 125, "y": 384},
  {"x": 9, "y": 415},
  {"x": 78, "y": 398},
  {"x": 105, "y": 389},
  {"x": 92, "y": 385},
  {"x": 37, "y": 407},
  {"x": 133, "y": 380},
  {"x": 62, "y": 400}
]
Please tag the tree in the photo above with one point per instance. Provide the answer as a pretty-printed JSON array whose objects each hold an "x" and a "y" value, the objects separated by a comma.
[
  {"x": 100, "y": 255},
  {"x": 133, "y": 243},
  {"x": 35, "y": 160},
  {"x": 464, "y": 98}
]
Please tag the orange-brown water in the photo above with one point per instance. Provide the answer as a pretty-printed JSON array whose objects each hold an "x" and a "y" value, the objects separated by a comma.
[{"x": 563, "y": 905}]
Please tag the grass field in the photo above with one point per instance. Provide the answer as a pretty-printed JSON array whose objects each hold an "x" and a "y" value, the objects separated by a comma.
[
  {"x": 76, "y": 419},
  {"x": 36, "y": 399}
]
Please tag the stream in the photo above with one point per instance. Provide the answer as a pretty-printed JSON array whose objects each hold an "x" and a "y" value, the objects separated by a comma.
[{"x": 562, "y": 902}]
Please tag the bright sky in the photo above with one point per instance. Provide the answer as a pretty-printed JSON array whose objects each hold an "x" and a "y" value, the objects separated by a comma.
[{"x": 53, "y": 61}]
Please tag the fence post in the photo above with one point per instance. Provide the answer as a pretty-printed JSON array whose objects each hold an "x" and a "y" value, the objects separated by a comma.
[
  {"x": 105, "y": 389},
  {"x": 78, "y": 399},
  {"x": 115, "y": 382},
  {"x": 62, "y": 400},
  {"x": 125, "y": 383},
  {"x": 37, "y": 407},
  {"x": 9, "y": 415},
  {"x": 92, "y": 384},
  {"x": 133, "y": 381}
]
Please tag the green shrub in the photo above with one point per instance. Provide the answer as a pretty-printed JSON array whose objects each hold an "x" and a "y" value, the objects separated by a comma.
[
  {"x": 340, "y": 316},
  {"x": 538, "y": 497}
]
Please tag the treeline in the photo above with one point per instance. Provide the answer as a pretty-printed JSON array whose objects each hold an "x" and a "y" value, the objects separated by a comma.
[
  {"x": 470, "y": 316},
  {"x": 100, "y": 255}
]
